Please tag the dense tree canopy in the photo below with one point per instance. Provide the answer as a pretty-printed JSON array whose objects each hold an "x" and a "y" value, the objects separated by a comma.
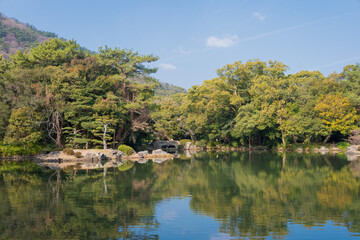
[{"x": 57, "y": 92}]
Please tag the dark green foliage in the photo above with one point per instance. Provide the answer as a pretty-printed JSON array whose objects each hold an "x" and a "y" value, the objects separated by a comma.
[
  {"x": 183, "y": 141},
  {"x": 126, "y": 149},
  {"x": 77, "y": 154},
  {"x": 68, "y": 151},
  {"x": 11, "y": 150},
  {"x": 343, "y": 145}
]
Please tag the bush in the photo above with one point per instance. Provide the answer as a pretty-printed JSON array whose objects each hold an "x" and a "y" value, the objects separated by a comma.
[
  {"x": 77, "y": 154},
  {"x": 343, "y": 145},
  {"x": 201, "y": 143},
  {"x": 234, "y": 144},
  {"x": 126, "y": 149},
  {"x": 183, "y": 141},
  {"x": 68, "y": 151},
  {"x": 11, "y": 150}
]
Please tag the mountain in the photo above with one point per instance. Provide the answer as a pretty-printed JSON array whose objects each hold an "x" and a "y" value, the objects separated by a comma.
[
  {"x": 166, "y": 89},
  {"x": 15, "y": 35}
]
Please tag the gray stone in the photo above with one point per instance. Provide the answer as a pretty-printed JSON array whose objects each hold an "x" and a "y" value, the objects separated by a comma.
[
  {"x": 96, "y": 156},
  {"x": 117, "y": 154},
  {"x": 324, "y": 149},
  {"x": 143, "y": 153},
  {"x": 187, "y": 145},
  {"x": 159, "y": 152}
]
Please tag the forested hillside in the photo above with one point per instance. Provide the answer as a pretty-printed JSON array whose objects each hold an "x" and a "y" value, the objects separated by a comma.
[
  {"x": 166, "y": 89},
  {"x": 15, "y": 36}
]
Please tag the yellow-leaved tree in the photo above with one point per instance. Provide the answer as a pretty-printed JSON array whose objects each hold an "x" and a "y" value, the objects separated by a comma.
[{"x": 337, "y": 114}]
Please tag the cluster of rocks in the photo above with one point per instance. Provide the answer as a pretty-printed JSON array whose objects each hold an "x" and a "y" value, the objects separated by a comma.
[
  {"x": 94, "y": 155},
  {"x": 156, "y": 155}
]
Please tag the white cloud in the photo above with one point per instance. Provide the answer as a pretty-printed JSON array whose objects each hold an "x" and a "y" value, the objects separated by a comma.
[
  {"x": 184, "y": 52},
  {"x": 222, "y": 42},
  {"x": 167, "y": 66},
  {"x": 259, "y": 16}
]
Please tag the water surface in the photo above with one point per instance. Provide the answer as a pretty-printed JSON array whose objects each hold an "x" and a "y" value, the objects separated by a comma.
[{"x": 208, "y": 196}]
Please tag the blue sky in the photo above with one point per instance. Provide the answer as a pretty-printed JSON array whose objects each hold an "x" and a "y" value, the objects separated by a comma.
[{"x": 194, "y": 38}]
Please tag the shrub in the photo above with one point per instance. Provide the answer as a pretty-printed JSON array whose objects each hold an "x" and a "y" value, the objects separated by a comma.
[
  {"x": 343, "y": 145},
  {"x": 11, "y": 150},
  {"x": 77, "y": 154},
  {"x": 126, "y": 149},
  {"x": 183, "y": 141},
  {"x": 68, "y": 151},
  {"x": 234, "y": 144},
  {"x": 201, "y": 143}
]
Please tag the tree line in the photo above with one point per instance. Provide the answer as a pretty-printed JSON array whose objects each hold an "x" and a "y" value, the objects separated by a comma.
[
  {"x": 58, "y": 94},
  {"x": 258, "y": 103}
]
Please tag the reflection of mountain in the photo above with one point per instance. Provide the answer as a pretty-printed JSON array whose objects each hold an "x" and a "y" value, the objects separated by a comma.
[{"x": 250, "y": 194}]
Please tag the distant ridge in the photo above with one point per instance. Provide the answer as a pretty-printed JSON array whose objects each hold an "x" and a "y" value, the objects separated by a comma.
[
  {"x": 15, "y": 35},
  {"x": 166, "y": 89}
]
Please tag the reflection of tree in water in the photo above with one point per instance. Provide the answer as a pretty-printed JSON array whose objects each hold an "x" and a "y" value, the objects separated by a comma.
[{"x": 250, "y": 194}]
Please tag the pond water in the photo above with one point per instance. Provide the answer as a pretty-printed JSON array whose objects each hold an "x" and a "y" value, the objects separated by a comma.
[{"x": 207, "y": 196}]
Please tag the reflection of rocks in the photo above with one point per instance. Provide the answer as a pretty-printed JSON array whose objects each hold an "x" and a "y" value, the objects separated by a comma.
[
  {"x": 353, "y": 153},
  {"x": 354, "y": 167},
  {"x": 188, "y": 154},
  {"x": 81, "y": 165},
  {"x": 300, "y": 150},
  {"x": 159, "y": 160},
  {"x": 143, "y": 153},
  {"x": 324, "y": 150},
  {"x": 142, "y": 160}
]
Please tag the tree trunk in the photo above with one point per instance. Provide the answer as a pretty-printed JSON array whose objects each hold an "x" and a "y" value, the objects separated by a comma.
[
  {"x": 327, "y": 138},
  {"x": 104, "y": 136},
  {"x": 250, "y": 142},
  {"x": 283, "y": 138}
]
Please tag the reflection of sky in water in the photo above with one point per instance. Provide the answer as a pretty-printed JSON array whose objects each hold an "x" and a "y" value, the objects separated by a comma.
[{"x": 177, "y": 221}]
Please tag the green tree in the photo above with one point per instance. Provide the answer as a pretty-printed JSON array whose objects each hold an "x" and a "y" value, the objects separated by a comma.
[
  {"x": 22, "y": 128},
  {"x": 337, "y": 113}
]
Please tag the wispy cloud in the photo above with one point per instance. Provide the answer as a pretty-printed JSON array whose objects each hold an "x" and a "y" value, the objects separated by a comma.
[
  {"x": 259, "y": 16},
  {"x": 286, "y": 29},
  {"x": 167, "y": 66},
  {"x": 222, "y": 42},
  {"x": 337, "y": 63},
  {"x": 183, "y": 51}
]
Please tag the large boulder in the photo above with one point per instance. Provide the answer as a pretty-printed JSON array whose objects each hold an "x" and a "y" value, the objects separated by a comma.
[
  {"x": 324, "y": 150},
  {"x": 187, "y": 146},
  {"x": 116, "y": 154},
  {"x": 96, "y": 156},
  {"x": 159, "y": 152},
  {"x": 143, "y": 153}
]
